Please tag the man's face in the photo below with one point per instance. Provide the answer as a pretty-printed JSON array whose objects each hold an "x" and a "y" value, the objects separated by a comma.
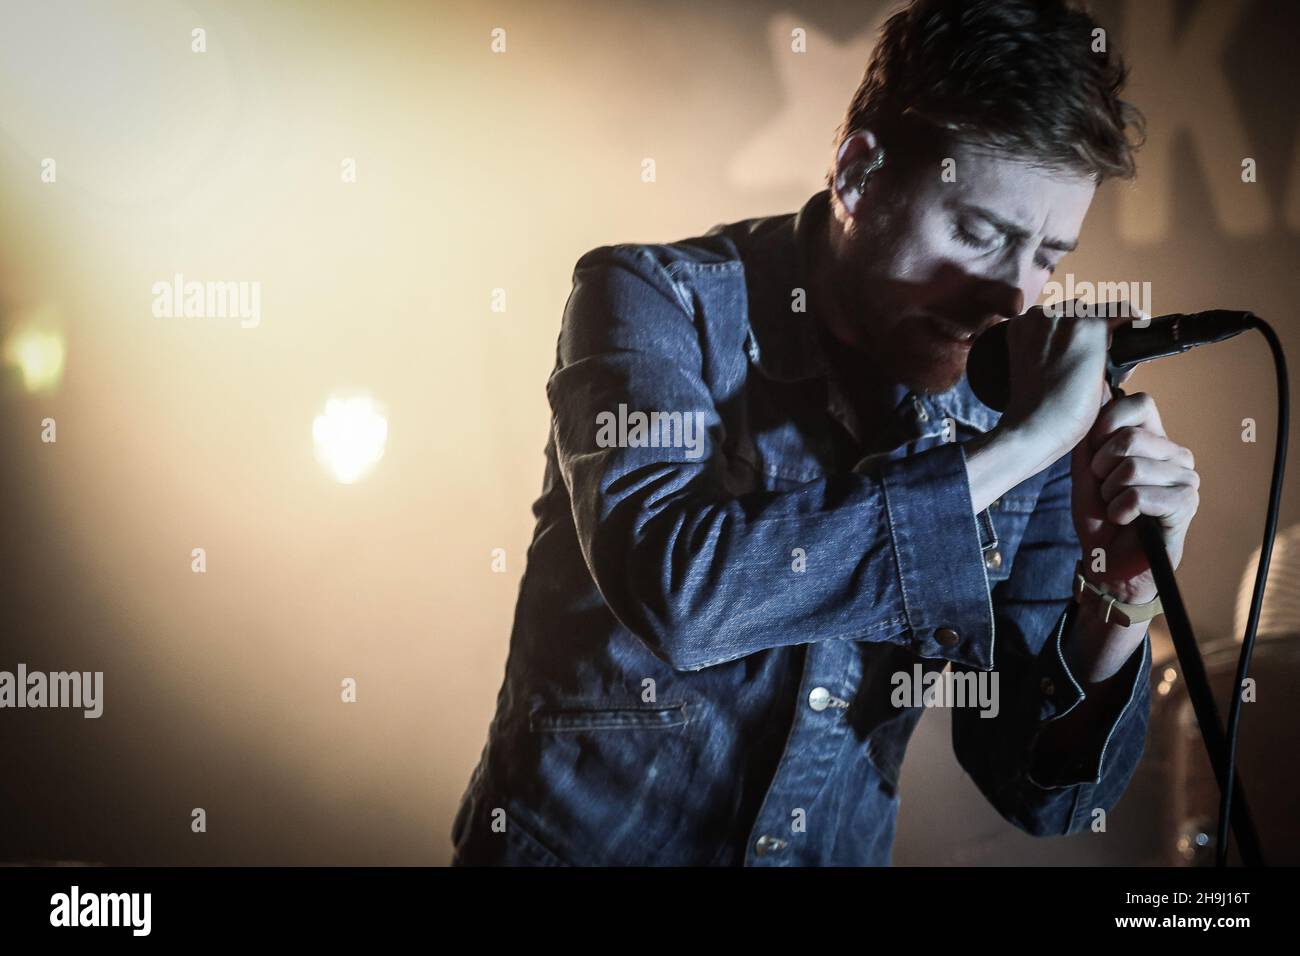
[{"x": 912, "y": 267}]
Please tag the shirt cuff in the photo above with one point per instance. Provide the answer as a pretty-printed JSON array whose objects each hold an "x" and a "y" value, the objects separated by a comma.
[
  {"x": 939, "y": 547},
  {"x": 1059, "y": 692}
]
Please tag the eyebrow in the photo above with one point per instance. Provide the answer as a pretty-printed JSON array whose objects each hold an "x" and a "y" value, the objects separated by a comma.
[{"x": 1017, "y": 232}]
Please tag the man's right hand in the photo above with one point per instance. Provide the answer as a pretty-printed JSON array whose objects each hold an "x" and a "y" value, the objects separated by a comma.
[{"x": 1058, "y": 385}]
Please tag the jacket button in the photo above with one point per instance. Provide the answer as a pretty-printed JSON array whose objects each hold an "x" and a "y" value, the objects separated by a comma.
[
  {"x": 947, "y": 637},
  {"x": 1047, "y": 687},
  {"x": 819, "y": 699},
  {"x": 768, "y": 844},
  {"x": 993, "y": 561}
]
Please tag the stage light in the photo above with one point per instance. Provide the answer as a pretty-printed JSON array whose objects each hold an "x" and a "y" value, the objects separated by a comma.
[
  {"x": 38, "y": 355},
  {"x": 349, "y": 437}
]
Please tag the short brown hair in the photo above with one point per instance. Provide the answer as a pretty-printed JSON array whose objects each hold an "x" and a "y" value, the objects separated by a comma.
[{"x": 1019, "y": 76}]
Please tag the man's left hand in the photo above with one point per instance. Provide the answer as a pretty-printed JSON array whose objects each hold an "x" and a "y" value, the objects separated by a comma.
[{"x": 1125, "y": 466}]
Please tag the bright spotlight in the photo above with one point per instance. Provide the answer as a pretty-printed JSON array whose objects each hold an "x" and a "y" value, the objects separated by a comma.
[
  {"x": 38, "y": 355},
  {"x": 349, "y": 437}
]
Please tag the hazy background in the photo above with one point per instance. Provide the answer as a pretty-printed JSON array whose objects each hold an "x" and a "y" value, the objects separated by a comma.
[{"x": 475, "y": 171}]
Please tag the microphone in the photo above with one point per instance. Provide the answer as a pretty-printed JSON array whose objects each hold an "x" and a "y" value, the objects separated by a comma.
[{"x": 989, "y": 367}]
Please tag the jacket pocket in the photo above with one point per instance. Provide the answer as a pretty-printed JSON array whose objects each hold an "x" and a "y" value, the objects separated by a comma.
[
  {"x": 593, "y": 717},
  {"x": 526, "y": 849},
  {"x": 477, "y": 843}
]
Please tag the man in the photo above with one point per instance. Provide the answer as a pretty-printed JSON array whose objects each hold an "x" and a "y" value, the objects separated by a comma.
[{"x": 771, "y": 498}]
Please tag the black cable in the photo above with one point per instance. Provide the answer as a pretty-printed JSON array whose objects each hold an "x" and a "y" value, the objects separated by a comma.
[
  {"x": 1199, "y": 692},
  {"x": 1261, "y": 576}
]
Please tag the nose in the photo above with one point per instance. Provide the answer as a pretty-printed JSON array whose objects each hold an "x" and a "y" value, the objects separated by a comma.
[
  {"x": 1017, "y": 302},
  {"x": 1000, "y": 298},
  {"x": 1020, "y": 282},
  {"x": 977, "y": 296}
]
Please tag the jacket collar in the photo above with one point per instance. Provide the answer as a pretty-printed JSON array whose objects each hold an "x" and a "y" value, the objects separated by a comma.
[{"x": 784, "y": 344}]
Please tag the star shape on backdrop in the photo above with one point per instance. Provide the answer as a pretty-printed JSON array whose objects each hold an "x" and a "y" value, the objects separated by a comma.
[{"x": 795, "y": 148}]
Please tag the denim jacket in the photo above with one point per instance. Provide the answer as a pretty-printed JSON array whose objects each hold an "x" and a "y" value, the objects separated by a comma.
[{"x": 715, "y": 621}]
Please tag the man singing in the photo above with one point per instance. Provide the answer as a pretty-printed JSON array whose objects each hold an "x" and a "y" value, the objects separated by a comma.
[{"x": 710, "y": 634}]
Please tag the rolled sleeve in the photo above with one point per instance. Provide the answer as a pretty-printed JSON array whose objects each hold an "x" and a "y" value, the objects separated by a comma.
[
  {"x": 939, "y": 546},
  {"x": 1059, "y": 692},
  {"x": 1042, "y": 793}
]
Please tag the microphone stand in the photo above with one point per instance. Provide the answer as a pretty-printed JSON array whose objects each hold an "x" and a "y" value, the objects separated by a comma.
[{"x": 1193, "y": 667}]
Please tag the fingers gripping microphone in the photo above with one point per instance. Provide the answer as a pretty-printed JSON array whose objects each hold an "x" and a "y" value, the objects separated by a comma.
[
  {"x": 989, "y": 365},
  {"x": 989, "y": 372}
]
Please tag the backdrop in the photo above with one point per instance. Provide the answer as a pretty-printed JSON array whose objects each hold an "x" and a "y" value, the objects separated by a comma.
[{"x": 286, "y": 516}]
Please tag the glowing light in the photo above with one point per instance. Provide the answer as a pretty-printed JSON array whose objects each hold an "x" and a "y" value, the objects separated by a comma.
[
  {"x": 38, "y": 355},
  {"x": 349, "y": 437}
]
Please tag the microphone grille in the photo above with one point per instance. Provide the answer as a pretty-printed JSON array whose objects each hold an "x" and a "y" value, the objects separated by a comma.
[{"x": 988, "y": 368}]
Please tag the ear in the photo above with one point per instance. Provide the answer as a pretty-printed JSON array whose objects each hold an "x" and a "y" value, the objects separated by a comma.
[{"x": 854, "y": 155}]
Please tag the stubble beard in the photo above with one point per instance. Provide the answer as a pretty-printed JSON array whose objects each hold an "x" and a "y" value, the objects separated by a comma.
[{"x": 898, "y": 346}]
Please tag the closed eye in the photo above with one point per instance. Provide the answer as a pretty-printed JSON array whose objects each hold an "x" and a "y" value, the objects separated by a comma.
[
  {"x": 966, "y": 237},
  {"x": 1008, "y": 230}
]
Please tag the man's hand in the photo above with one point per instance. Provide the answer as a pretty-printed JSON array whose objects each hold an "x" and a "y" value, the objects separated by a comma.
[
  {"x": 1125, "y": 466},
  {"x": 1057, "y": 361}
]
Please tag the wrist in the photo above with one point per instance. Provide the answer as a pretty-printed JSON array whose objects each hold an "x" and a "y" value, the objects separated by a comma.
[
  {"x": 1033, "y": 440},
  {"x": 1123, "y": 604},
  {"x": 1002, "y": 458},
  {"x": 1135, "y": 590}
]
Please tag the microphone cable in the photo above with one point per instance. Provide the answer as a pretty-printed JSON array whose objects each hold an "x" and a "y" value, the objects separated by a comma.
[{"x": 1261, "y": 575}]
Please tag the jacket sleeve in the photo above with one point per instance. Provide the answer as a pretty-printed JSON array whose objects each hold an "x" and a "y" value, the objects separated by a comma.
[
  {"x": 1035, "y": 617},
  {"x": 703, "y": 576}
]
